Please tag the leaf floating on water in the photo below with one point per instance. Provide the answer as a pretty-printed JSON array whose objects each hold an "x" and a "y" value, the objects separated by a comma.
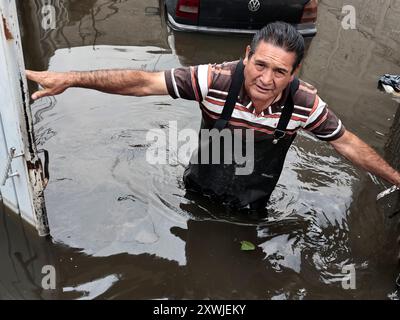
[{"x": 247, "y": 246}]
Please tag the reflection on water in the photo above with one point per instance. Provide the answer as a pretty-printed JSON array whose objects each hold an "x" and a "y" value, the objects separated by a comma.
[
  {"x": 345, "y": 65},
  {"x": 123, "y": 228}
]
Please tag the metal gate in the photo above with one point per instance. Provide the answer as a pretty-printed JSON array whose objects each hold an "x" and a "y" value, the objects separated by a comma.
[{"x": 22, "y": 178}]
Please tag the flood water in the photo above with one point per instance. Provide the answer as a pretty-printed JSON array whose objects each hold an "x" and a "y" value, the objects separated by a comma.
[{"x": 122, "y": 228}]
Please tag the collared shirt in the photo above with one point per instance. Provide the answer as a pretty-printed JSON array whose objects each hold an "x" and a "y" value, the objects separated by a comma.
[{"x": 209, "y": 85}]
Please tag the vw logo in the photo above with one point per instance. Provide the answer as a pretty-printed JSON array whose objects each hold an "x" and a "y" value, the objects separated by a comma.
[{"x": 254, "y": 5}]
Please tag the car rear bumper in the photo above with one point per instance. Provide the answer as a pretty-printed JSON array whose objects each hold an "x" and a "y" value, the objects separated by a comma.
[{"x": 306, "y": 29}]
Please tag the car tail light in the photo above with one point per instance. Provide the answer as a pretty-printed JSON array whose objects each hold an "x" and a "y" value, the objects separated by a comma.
[
  {"x": 188, "y": 9},
  {"x": 310, "y": 12}
]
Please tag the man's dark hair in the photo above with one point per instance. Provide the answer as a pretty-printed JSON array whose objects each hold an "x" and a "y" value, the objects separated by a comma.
[{"x": 283, "y": 35}]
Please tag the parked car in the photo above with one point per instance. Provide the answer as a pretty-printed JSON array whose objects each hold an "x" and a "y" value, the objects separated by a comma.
[{"x": 240, "y": 16}]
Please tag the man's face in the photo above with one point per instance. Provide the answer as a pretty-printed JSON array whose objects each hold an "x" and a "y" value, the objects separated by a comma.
[{"x": 267, "y": 72}]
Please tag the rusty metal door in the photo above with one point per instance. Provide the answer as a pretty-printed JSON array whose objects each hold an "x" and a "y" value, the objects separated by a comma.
[{"x": 22, "y": 178}]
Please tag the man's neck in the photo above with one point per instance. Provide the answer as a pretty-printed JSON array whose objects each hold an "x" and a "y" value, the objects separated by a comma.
[{"x": 262, "y": 105}]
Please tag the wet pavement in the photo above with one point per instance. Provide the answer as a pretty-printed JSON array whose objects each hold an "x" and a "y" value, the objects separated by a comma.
[{"x": 124, "y": 228}]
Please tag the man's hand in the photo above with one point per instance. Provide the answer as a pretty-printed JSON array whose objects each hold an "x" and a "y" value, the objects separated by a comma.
[{"x": 52, "y": 83}]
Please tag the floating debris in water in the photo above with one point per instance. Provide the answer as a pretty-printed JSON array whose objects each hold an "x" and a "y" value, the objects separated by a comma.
[
  {"x": 247, "y": 246},
  {"x": 389, "y": 83}
]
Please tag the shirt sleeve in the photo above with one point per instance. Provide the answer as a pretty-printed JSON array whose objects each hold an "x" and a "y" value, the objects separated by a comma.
[
  {"x": 323, "y": 123},
  {"x": 190, "y": 83}
]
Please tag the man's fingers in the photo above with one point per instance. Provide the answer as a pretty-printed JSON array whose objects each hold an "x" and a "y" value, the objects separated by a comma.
[
  {"x": 36, "y": 77},
  {"x": 40, "y": 94},
  {"x": 32, "y": 75}
]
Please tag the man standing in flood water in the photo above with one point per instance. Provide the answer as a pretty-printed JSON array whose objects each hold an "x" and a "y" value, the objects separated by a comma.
[{"x": 259, "y": 94}]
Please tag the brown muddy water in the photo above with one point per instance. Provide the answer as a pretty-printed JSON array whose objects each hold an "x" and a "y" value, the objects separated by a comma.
[{"x": 122, "y": 228}]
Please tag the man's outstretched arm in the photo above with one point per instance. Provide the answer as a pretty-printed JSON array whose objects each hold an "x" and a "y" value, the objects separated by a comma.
[
  {"x": 125, "y": 82},
  {"x": 362, "y": 155}
]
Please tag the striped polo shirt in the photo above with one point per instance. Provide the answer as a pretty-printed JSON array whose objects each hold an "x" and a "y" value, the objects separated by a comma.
[{"x": 209, "y": 85}]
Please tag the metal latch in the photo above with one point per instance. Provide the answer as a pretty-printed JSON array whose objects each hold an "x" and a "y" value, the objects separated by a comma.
[{"x": 8, "y": 175}]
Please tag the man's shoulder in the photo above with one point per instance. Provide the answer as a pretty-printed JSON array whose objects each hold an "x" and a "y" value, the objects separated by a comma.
[
  {"x": 221, "y": 75},
  {"x": 306, "y": 95},
  {"x": 307, "y": 87},
  {"x": 224, "y": 68}
]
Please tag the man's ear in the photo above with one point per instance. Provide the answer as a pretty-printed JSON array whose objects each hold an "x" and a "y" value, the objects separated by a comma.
[{"x": 246, "y": 58}]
